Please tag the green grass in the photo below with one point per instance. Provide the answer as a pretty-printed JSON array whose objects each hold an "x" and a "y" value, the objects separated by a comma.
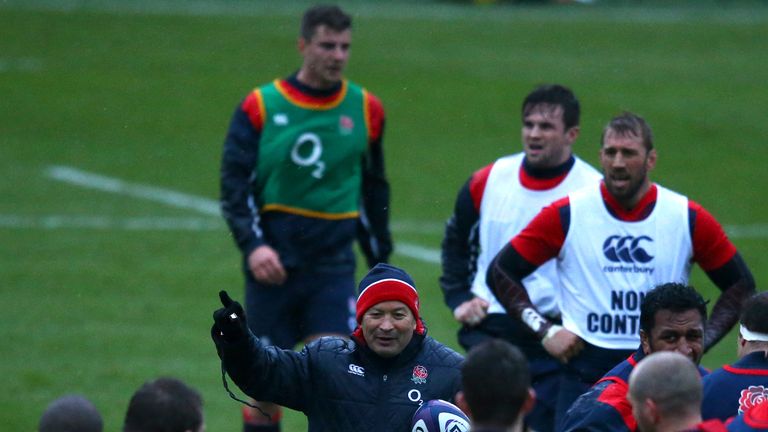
[{"x": 143, "y": 91}]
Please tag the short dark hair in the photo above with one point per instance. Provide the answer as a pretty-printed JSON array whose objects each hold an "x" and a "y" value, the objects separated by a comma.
[
  {"x": 673, "y": 296},
  {"x": 754, "y": 313},
  {"x": 555, "y": 95},
  {"x": 329, "y": 15},
  {"x": 71, "y": 413},
  {"x": 629, "y": 124},
  {"x": 495, "y": 380},
  {"x": 164, "y": 405}
]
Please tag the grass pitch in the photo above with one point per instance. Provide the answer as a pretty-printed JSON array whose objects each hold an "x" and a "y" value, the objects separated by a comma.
[{"x": 102, "y": 290}]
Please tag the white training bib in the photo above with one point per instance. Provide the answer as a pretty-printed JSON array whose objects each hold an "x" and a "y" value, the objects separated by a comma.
[
  {"x": 505, "y": 209},
  {"x": 606, "y": 265}
]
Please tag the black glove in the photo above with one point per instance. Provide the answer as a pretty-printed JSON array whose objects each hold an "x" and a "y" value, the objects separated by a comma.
[{"x": 229, "y": 322}]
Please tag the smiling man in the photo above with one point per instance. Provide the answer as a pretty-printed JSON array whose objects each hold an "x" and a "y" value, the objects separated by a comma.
[
  {"x": 613, "y": 242},
  {"x": 373, "y": 382},
  {"x": 302, "y": 175}
]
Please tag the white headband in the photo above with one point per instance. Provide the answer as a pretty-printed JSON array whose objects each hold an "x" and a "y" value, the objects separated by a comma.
[{"x": 752, "y": 336}]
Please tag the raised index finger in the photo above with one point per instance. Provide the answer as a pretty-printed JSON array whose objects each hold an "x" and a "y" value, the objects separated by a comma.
[{"x": 225, "y": 299}]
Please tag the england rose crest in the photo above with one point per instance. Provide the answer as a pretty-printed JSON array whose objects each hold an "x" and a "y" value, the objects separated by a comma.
[
  {"x": 419, "y": 375},
  {"x": 751, "y": 396}
]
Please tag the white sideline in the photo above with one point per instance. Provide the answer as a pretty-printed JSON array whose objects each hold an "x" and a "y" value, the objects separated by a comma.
[
  {"x": 136, "y": 190},
  {"x": 143, "y": 223},
  {"x": 182, "y": 200}
]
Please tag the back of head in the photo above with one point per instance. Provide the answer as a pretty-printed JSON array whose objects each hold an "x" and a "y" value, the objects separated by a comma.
[
  {"x": 672, "y": 296},
  {"x": 628, "y": 124},
  {"x": 554, "y": 95},
  {"x": 753, "y": 325},
  {"x": 754, "y": 313},
  {"x": 164, "y": 405},
  {"x": 495, "y": 380},
  {"x": 328, "y": 15},
  {"x": 669, "y": 379},
  {"x": 71, "y": 413}
]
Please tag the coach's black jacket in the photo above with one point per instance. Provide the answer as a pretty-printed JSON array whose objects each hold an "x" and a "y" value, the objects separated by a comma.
[{"x": 341, "y": 385}]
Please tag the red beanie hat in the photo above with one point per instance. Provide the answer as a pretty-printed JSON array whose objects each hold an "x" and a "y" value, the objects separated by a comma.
[{"x": 388, "y": 283}]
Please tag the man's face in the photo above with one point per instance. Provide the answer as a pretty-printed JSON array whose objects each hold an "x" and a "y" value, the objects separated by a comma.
[
  {"x": 626, "y": 164},
  {"x": 388, "y": 328},
  {"x": 325, "y": 56},
  {"x": 546, "y": 142},
  {"x": 676, "y": 331}
]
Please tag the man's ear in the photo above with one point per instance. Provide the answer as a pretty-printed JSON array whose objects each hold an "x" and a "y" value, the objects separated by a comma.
[
  {"x": 572, "y": 134},
  {"x": 645, "y": 342},
  {"x": 651, "y": 160},
  {"x": 652, "y": 410},
  {"x": 461, "y": 402},
  {"x": 530, "y": 402},
  {"x": 741, "y": 341},
  {"x": 301, "y": 44}
]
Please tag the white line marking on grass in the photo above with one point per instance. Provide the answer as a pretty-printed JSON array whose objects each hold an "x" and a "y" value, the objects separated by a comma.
[
  {"x": 181, "y": 200},
  {"x": 52, "y": 222},
  {"x": 755, "y": 231},
  {"x": 420, "y": 253},
  {"x": 136, "y": 190},
  {"x": 23, "y": 64}
]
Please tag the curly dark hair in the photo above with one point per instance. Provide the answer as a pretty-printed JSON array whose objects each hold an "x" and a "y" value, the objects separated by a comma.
[{"x": 672, "y": 296}]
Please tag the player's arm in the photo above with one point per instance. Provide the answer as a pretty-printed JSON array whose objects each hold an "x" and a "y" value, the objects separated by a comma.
[
  {"x": 265, "y": 373},
  {"x": 460, "y": 244},
  {"x": 373, "y": 228},
  {"x": 725, "y": 267},
  {"x": 237, "y": 166},
  {"x": 540, "y": 241}
]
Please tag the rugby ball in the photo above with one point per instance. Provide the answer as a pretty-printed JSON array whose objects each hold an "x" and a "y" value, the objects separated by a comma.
[{"x": 439, "y": 416}]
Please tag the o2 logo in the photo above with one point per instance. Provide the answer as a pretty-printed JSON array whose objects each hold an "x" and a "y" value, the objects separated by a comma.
[
  {"x": 415, "y": 396},
  {"x": 626, "y": 249},
  {"x": 306, "y": 152}
]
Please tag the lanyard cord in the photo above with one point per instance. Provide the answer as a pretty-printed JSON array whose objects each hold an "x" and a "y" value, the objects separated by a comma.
[{"x": 232, "y": 395}]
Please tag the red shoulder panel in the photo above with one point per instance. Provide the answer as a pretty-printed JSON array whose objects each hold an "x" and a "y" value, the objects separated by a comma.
[
  {"x": 253, "y": 106},
  {"x": 711, "y": 247},
  {"x": 615, "y": 395},
  {"x": 374, "y": 112},
  {"x": 542, "y": 239},
  {"x": 477, "y": 184}
]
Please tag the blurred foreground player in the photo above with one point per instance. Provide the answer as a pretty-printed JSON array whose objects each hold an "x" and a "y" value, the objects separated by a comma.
[
  {"x": 165, "y": 405},
  {"x": 735, "y": 388},
  {"x": 665, "y": 393},
  {"x": 496, "y": 387},
  {"x": 71, "y": 413}
]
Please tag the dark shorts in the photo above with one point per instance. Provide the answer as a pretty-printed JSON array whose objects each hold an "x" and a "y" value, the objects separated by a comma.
[{"x": 307, "y": 304}]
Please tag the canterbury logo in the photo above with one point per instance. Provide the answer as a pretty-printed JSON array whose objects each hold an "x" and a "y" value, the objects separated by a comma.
[
  {"x": 626, "y": 249},
  {"x": 356, "y": 370}
]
